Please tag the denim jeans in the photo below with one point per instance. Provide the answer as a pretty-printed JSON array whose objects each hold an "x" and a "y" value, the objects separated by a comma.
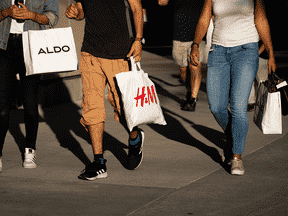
[{"x": 232, "y": 70}]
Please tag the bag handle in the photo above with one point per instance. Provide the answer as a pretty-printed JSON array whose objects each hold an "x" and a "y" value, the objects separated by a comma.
[
  {"x": 272, "y": 82},
  {"x": 135, "y": 65}
]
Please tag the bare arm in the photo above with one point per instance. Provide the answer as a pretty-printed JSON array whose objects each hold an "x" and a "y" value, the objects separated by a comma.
[
  {"x": 24, "y": 13},
  {"x": 262, "y": 27},
  {"x": 163, "y": 2},
  {"x": 203, "y": 22},
  {"x": 138, "y": 17},
  {"x": 136, "y": 49},
  {"x": 39, "y": 18}
]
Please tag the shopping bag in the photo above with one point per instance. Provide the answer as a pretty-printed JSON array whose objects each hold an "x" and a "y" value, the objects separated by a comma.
[
  {"x": 139, "y": 97},
  {"x": 282, "y": 87},
  {"x": 47, "y": 51},
  {"x": 267, "y": 113}
]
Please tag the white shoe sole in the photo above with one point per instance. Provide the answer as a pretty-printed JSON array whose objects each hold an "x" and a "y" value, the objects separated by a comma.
[
  {"x": 237, "y": 172},
  {"x": 29, "y": 166},
  {"x": 103, "y": 175}
]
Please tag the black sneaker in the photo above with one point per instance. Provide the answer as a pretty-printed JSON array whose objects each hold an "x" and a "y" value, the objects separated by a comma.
[
  {"x": 135, "y": 154},
  {"x": 93, "y": 171},
  {"x": 189, "y": 105}
]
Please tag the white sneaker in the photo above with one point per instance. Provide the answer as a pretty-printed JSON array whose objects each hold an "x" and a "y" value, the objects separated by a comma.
[
  {"x": 0, "y": 165},
  {"x": 30, "y": 158},
  {"x": 237, "y": 167}
]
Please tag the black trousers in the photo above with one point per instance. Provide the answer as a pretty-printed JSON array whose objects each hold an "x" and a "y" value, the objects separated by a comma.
[{"x": 11, "y": 63}]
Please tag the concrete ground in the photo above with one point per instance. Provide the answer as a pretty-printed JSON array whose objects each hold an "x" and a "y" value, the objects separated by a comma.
[{"x": 181, "y": 173}]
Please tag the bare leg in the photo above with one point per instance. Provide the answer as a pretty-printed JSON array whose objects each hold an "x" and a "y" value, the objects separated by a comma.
[
  {"x": 183, "y": 73},
  {"x": 96, "y": 134},
  {"x": 196, "y": 77}
]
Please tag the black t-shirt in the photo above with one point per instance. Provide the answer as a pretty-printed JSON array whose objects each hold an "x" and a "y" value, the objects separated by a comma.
[
  {"x": 186, "y": 16},
  {"x": 106, "y": 30}
]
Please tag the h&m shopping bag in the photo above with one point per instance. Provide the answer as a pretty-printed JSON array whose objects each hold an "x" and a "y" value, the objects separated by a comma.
[
  {"x": 51, "y": 50},
  {"x": 267, "y": 114},
  {"x": 140, "y": 100}
]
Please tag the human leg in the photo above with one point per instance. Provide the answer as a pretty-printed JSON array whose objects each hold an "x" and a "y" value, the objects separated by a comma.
[
  {"x": 7, "y": 79},
  {"x": 218, "y": 88},
  {"x": 29, "y": 89},
  {"x": 93, "y": 113},
  {"x": 136, "y": 136},
  {"x": 178, "y": 52},
  {"x": 245, "y": 62}
]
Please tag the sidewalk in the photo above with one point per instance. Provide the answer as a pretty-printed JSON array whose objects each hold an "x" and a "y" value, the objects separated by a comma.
[{"x": 181, "y": 173}]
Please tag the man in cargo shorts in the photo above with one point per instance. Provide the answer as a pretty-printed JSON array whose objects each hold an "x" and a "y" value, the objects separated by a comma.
[{"x": 105, "y": 47}]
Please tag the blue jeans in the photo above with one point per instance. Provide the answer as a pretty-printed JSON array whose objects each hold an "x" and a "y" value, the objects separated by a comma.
[{"x": 232, "y": 69}]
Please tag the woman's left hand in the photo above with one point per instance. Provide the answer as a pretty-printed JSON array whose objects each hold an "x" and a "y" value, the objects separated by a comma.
[
  {"x": 271, "y": 65},
  {"x": 23, "y": 13}
]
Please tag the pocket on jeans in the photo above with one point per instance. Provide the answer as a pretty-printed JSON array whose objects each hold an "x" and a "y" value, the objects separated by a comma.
[{"x": 212, "y": 48}]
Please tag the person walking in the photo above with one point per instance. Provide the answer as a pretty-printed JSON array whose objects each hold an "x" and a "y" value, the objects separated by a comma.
[
  {"x": 186, "y": 15},
  {"x": 16, "y": 17},
  {"x": 232, "y": 66},
  {"x": 104, "y": 51}
]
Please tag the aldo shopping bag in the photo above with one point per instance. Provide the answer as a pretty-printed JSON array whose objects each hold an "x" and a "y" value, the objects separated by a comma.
[
  {"x": 51, "y": 50},
  {"x": 267, "y": 114},
  {"x": 140, "y": 100}
]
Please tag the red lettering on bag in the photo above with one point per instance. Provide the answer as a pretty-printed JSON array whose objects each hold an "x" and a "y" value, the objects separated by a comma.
[{"x": 150, "y": 97}]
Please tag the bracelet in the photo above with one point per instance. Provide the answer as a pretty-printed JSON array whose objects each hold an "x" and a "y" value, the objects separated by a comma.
[
  {"x": 196, "y": 44},
  {"x": 2, "y": 14}
]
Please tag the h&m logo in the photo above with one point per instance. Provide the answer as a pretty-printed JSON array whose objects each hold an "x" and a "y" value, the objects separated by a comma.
[
  {"x": 150, "y": 97},
  {"x": 56, "y": 49}
]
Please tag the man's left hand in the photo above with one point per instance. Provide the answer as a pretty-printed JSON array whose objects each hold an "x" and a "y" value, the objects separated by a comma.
[
  {"x": 23, "y": 13},
  {"x": 136, "y": 50}
]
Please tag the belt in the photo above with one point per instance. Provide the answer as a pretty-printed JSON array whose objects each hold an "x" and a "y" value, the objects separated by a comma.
[{"x": 16, "y": 36}]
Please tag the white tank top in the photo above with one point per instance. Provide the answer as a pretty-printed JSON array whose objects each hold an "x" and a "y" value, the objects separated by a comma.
[{"x": 234, "y": 23}]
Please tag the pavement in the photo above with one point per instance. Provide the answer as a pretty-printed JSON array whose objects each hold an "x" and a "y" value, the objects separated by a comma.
[{"x": 181, "y": 173}]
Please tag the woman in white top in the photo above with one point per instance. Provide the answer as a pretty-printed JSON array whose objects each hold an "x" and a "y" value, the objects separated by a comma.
[{"x": 232, "y": 66}]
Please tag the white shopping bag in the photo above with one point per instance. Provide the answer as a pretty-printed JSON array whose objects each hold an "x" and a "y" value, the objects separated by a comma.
[
  {"x": 268, "y": 114},
  {"x": 51, "y": 50},
  {"x": 140, "y": 100}
]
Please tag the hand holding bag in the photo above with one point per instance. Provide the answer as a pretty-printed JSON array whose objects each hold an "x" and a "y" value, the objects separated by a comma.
[
  {"x": 267, "y": 114},
  {"x": 140, "y": 100},
  {"x": 282, "y": 86},
  {"x": 51, "y": 50}
]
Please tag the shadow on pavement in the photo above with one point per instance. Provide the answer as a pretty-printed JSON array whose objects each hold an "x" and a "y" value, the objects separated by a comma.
[
  {"x": 61, "y": 119},
  {"x": 174, "y": 130},
  {"x": 115, "y": 147}
]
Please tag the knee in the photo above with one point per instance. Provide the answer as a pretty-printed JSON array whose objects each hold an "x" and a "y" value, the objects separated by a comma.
[{"x": 215, "y": 109}]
